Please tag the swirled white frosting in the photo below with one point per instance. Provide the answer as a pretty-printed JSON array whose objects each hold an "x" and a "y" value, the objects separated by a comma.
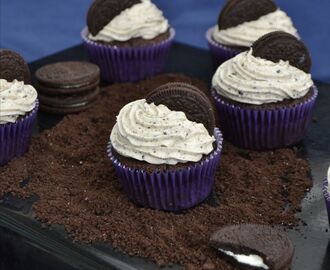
[
  {"x": 143, "y": 20},
  {"x": 157, "y": 135},
  {"x": 16, "y": 99},
  {"x": 254, "y": 80},
  {"x": 246, "y": 33}
]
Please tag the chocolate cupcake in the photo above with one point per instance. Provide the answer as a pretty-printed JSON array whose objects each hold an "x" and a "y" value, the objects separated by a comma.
[
  {"x": 126, "y": 45},
  {"x": 326, "y": 193},
  {"x": 18, "y": 106},
  {"x": 265, "y": 96},
  {"x": 162, "y": 159},
  {"x": 241, "y": 22}
]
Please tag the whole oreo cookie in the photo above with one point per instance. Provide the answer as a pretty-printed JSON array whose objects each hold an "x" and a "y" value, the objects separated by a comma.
[
  {"x": 185, "y": 97},
  {"x": 13, "y": 66},
  {"x": 102, "y": 12},
  {"x": 236, "y": 12},
  {"x": 279, "y": 45},
  {"x": 259, "y": 244},
  {"x": 69, "y": 74}
]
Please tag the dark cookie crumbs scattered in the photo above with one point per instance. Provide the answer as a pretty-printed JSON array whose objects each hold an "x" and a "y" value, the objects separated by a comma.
[{"x": 69, "y": 171}]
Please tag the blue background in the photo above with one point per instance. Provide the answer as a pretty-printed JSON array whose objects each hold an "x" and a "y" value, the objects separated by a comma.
[{"x": 37, "y": 28}]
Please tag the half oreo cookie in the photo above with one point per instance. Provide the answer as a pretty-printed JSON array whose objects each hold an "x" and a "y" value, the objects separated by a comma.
[
  {"x": 102, "y": 12},
  {"x": 13, "y": 67},
  {"x": 185, "y": 97},
  {"x": 67, "y": 87},
  {"x": 279, "y": 45},
  {"x": 236, "y": 12},
  {"x": 251, "y": 246}
]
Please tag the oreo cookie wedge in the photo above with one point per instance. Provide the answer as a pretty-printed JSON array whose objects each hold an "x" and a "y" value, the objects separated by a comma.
[
  {"x": 185, "y": 97},
  {"x": 279, "y": 45},
  {"x": 13, "y": 67},
  {"x": 101, "y": 12},
  {"x": 236, "y": 12},
  {"x": 251, "y": 246}
]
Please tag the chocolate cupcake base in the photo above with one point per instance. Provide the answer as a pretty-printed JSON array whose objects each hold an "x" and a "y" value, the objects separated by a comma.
[
  {"x": 169, "y": 190},
  {"x": 262, "y": 128}
]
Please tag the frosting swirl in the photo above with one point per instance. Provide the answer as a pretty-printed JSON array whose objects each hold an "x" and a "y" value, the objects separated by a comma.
[
  {"x": 157, "y": 135},
  {"x": 142, "y": 20},
  {"x": 246, "y": 33},
  {"x": 16, "y": 99},
  {"x": 254, "y": 80}
]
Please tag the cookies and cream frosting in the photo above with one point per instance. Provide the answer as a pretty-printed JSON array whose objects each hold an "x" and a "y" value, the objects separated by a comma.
[
  {"x": 246, "y": 33},
  {"x": 142, "y": 20},
  {"x": 251, "y": 260},
  {"x": 16, "y": 99},
  {"x": 329, "y": 179},
  {"x": 157, "y": 135},
  {"x": 254, "y": 80}
]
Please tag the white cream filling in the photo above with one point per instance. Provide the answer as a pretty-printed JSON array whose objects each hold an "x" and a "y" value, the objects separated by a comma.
[
  {"x": 246, "y": 33},
  {"x": 252, "y": 259}
]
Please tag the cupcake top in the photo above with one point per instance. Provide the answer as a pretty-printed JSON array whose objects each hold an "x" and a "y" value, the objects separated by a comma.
[
  {"x": 158, "y": 135},
  {"x": 250, "y": 79},
  {"x": 16, "y": 99},
  {"x": 117, "y": 20},
  {"x": 243, "y": 22}
]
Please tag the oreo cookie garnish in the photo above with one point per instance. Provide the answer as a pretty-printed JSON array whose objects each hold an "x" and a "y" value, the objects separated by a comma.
[
  {"x": 178, "y": 96},
  {"x": 236, "y": 12},
  {"x": 101, "y": 12},
  {"x": 251, "y": 246},
  {"x": 13, "y": 66},
  {"x": 279, "y": 45}
]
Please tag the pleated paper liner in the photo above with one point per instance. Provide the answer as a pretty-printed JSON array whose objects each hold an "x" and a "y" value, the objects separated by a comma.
[
  {"x": 128, "y": 64},
  {"x": 262, "y": 129},
  {"x": 15, "y": 137},
  {"x": 220, "y": 53},
  {"x": 171, "y": 190}
]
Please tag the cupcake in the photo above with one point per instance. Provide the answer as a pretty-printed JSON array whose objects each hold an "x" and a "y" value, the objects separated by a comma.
[
  {"x": 129, "y": 40},
  {"x": 19, "y": 106},
  {"x": 265, "y": 95},
  {"x": 164, "y": 160},
  {"x": 326, "y": 193},
  {"x": 240, "y": 23}
]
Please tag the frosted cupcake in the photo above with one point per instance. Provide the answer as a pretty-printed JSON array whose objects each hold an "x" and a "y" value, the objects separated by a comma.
[
  {"x": 129, "y": 40},
  {"x": 162, "y": 159},
  {"x": 19, "y": 105},
  {"x": 265, "y": 96},
  {"x": 240, "y": 23}
]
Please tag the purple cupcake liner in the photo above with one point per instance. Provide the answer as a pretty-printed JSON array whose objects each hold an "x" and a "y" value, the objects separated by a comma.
[
  {"x": 326, "y": 193},
  {"x": 128, "y": 64},
  {"x": 15, "y": 137},
  {"x": 220, "y": 53},
  {"x": 170, "y": 190},
  {"x": 263, "y": 129}
]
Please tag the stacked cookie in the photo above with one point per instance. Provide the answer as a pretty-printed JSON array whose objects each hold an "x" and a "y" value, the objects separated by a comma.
[{"x": 67, "y": 87}]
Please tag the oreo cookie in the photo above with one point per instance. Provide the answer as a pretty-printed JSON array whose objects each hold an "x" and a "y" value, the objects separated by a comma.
[
  {"x": 67, "y": 87},
  {"x": 279, "y": 45},
  {"x": 251, "y": 246},
  {"x": 236, "y": 12},
  {"x": 102, "y": 12},
  {"x": 185, "y": 97},
  {"x": 13, "y": 67}
]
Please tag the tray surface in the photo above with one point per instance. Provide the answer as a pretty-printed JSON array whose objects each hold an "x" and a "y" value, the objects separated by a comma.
[{"x": 25, "y": 245}]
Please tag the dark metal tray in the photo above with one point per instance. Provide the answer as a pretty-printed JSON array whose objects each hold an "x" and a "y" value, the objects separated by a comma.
[{"x": 25, "y": 244}]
